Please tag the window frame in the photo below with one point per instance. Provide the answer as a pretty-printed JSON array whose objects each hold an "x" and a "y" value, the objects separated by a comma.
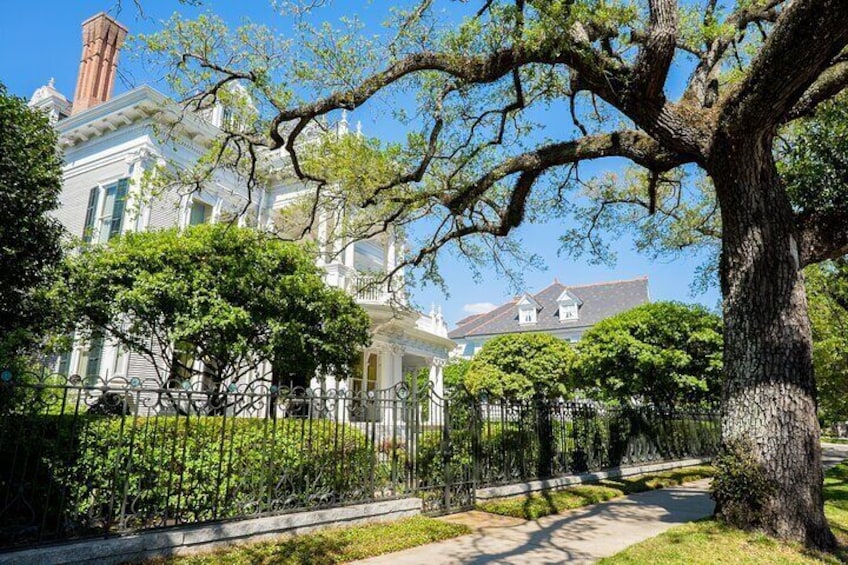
[
  {"x": 527, "y": 311},
  {"x": 208, "y": 212}
]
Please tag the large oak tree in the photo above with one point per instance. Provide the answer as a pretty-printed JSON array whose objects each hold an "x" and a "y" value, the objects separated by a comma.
[{"x": 482, "y": 157}]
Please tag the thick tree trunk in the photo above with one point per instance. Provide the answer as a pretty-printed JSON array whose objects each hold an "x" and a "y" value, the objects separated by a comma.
[{"x": 769, "y": 399}]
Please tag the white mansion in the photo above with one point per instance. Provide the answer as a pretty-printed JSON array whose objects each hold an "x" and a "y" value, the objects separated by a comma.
[{"x": 109, "y": 142}]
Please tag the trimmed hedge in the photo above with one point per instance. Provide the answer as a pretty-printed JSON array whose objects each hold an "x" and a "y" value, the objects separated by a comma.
[
  {"x": 168, "y": 470},
  {"x": 526, "y": 447}
]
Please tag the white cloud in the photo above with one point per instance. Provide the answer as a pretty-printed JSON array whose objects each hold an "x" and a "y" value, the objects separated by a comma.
[{"x": 478, "y": 307}]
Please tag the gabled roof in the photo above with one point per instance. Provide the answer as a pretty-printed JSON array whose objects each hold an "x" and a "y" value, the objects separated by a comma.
[
  {"x": 568, "y": 297},
  {"x": 597, "y": 301},
  {"x": 527, "y": 299}
]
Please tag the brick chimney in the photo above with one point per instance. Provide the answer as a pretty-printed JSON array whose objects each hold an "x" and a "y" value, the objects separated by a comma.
[{"x": 101, "y": 40}]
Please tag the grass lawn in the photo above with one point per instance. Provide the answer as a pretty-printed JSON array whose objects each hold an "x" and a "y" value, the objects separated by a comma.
[
  {"x": 708, "y": 542},
  {"x": 838, "y": 440},
  {"x": 331, "y": 546},
  {"x": 541, "y": 504}
]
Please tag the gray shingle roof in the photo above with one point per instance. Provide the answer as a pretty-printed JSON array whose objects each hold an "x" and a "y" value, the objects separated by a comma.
[{"x": 600, "y": 300}]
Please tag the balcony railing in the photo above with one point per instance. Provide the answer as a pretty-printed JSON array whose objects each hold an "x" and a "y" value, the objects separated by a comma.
[{"x": 369, "y": 288}]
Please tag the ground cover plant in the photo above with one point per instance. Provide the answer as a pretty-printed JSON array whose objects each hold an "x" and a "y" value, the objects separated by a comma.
[
  {"x": 531, "y": 507},
  {"x": 332, "y": 546},
  {"x": 709, "y": 542}
]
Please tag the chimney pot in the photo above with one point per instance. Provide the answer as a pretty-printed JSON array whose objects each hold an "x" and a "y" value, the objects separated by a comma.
[{"x": 102, "y": 38}]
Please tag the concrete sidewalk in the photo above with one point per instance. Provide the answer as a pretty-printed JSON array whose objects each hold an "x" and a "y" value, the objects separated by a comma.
[{"x": 578, "y": 536}]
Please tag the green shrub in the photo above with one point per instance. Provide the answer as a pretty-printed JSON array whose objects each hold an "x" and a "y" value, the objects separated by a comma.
[
  {"x": 740, "y": 487},
  {"x": 92, "y": 470}
]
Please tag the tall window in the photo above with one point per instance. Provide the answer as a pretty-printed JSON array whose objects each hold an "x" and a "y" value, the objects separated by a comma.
[
  {"x": 182, "y": 364},
  {"x": 88, "y": 366},
  {"x": 64, "y": 364},
  {"x": 104, "y": 215},
  {"x": 366, "y": 381},
  {"x": 201, "y": 213}
]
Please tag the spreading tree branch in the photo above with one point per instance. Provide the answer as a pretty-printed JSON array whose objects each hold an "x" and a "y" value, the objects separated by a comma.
[
  {"x": 823, "y": 235},
  {"x": 808, "y": 35}
]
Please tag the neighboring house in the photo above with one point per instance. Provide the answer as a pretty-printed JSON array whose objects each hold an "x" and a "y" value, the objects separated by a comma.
[
  {"x": 560, "y": 310},
  {"x": 109, "y": 143}
]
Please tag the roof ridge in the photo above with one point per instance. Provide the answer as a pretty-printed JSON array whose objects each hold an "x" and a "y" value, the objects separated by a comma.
[
  {"x": 470, "y": 318},
  {"x": 505, "y": 310},
  {"x": 477, "y": 318},
  {"x": 604, "y": 283},
  {"x": 555, "y": 283}
]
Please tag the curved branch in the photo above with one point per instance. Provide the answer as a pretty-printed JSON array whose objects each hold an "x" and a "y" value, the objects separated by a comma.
[
  {"x": 469, "y": 69},
  {"x": 822, "y": 236},
  {"x": 508, "y": 218},
  {"x": 831, "y": 82},
  {"x": 808, "y": 35},
  {"x": 654, "y": 60},
  {"x": 703, "y": 82},
  {"x": 633, "y": 145}
]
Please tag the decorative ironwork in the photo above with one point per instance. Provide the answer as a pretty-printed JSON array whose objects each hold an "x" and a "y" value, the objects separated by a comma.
[
  {"x": 542, "y": 438},
  {"x": 85, "y": 457}
]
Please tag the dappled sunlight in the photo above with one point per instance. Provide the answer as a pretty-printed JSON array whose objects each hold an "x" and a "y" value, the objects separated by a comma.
[{"x": 708, "y": 542}]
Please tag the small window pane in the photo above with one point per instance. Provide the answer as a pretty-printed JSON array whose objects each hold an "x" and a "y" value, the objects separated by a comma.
[{"x": 200, "y": 213}]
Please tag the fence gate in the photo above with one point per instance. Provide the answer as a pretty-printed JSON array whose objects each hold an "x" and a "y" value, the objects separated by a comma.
[{"x": 447, "y": 441}]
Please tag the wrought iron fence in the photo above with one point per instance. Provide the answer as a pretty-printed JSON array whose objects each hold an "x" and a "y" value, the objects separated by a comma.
[
  {"x": 541, "y": 438},
  {"x": 100, "y": 458}
]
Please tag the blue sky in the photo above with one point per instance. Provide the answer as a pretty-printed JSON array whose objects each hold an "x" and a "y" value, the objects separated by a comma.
[{"x": 42, "y": 40}]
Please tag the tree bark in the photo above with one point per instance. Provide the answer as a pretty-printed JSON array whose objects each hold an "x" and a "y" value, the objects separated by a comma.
[{"x": 769, "y": 398}]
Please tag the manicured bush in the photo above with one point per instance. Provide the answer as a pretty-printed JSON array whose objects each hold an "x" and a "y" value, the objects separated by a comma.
[{"x": 167, "y": 470}]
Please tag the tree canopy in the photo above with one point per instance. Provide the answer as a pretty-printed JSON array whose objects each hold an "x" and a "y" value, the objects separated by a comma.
[
  {"x": 520, "y": 366},
  {"x": 454, "y": 373},
  {"x": 663, "y": 353},
  {"x": 231, "y": 297},
  {"x": 30, "y": 239},
  {"x": 511, "y": 99}
]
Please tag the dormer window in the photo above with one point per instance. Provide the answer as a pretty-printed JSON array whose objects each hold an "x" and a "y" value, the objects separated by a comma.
[
  {"x": 528, "y": 315},
  {"x": 527, "y": 310},
  {"x": 569, "y": 307},
  {"x": 568, "y": 312}
]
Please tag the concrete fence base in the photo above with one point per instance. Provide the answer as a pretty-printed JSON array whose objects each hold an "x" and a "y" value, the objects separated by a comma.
[
  {"x": 191, "y": 539},
  {"x": 515, "y": 489}
]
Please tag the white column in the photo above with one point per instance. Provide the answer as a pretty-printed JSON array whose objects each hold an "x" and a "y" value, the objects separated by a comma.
[
  {"x": 391, "y": 250},
  {"x": 185, "y": 211},
  {"x": 338, "y": 236},
  {"x": 393, "y": 367},
  {"x": 216, "y": 209},
  {"x": 350, "y": 255},
  {"x": 437, "y": 375},
  {"x": 437, "y": 385},
  {"x": 73, "y": 362},
  {"x": 138, "y": 162},
  {"x": 321, "y": 238}
]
